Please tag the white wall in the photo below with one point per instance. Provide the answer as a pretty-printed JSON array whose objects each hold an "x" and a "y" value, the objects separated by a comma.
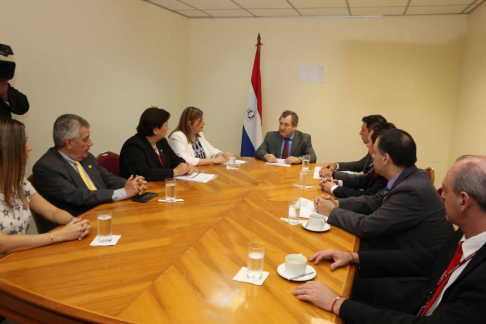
[
  {"x": 109, "y": 60},
  {"x": 104, "y": 60},
  {"x": 469, "y": 132},
  {"x": 405, "y": 68}
]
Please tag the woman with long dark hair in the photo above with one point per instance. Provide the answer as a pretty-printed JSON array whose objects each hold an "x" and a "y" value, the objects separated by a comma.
[{"x": 18, "y": 196}]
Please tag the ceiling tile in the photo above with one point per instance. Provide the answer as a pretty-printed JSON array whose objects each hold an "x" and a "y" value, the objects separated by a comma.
[
  {"x": 435, "y": 10},
  {"x": 440, "y": 2},
  {"x": 377, "y": 3},
  {"x": 192, "y": 13},
  {"x": 263, "y": 4},
  {"x": 171, "y": 4},
  {"x": 319, "y": 3},
  {"x": 274, "y": 12},
  {"x": 212, "y": 4},
  {"x": 376, "y": 11},
  {"x": 229, "y": 13},
  {"x": 325, "y": 12}
]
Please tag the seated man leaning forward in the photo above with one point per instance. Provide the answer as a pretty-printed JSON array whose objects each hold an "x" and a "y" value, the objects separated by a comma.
[
  {"x": 70, "y": 178},
  {"x": 407, "y": 214},
  {"x": 364, "y": 165},
  {"x": 455, "y": 272},
  {"x": 288, "y": 143},
  {"x": 365, "y": 184}
]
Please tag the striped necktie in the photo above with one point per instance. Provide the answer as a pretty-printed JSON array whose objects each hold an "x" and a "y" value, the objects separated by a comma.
[{"x": 85, "y": 177}]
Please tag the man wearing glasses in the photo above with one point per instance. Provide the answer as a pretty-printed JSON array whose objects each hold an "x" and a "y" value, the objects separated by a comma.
[{"x": 287, "y": 143}]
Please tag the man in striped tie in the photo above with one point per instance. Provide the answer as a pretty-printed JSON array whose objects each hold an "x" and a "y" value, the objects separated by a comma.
[
  {"x": 456, "y": 270},
  {"x": 70, "y": 178}
]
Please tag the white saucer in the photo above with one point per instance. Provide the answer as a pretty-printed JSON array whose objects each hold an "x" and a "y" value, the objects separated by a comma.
[
  {"x": 326, "y": 228},
  {"x": 281, "y": 272}
]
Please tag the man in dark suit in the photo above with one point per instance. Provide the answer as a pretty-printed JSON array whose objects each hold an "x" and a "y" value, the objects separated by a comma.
[
  {"x": 12, "y": 101},
  {"x": 407, "y": 214},
  {"x": 364, "y": 165},
  {"x": 461, "y": 296},
  {"x": 70, "y": 178},
  {"x": 362, "y": 185},
  {"x": 288, "y": 143}
]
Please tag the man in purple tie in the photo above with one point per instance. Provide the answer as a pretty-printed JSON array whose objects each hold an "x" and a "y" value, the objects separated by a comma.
[
  {"x": 288, "y": 143},
  {"x": 456, "y": 271}
]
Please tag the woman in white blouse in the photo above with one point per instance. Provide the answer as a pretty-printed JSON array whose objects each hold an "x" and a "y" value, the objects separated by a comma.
[
  {"x": 17, "y": 197},
  {"x": 188, "y": 141}
]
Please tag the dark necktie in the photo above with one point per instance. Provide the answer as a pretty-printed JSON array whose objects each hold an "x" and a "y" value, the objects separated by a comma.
[
  {"x": 443, "y": 280},
  {"x": 285, "y": 153}
]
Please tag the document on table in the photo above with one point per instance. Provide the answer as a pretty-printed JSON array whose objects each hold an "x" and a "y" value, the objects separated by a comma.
[
  {"x": 198, "y": 177},
  {"x": 238, "y": 162},
  {"x": 306, "y": 208},
  {"x": 280, "y": 162}
]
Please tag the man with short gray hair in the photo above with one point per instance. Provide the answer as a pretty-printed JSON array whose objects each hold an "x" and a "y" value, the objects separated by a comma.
[
  {"x": 70, "y": 178},
  {"x": 287, "y": 143}
]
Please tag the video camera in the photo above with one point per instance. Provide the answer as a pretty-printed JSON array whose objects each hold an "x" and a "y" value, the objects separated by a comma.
[{"x": 7, "y": 68}]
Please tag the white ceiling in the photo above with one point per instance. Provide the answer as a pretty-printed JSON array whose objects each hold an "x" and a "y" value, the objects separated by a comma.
[{"x": 313, "y": 8}]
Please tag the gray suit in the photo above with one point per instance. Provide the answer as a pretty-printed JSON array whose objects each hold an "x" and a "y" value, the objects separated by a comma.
[
  {"x": 301, "y": 145},
  {"x": 409, "y": 216},
  {"x": 58, "y": 182}
]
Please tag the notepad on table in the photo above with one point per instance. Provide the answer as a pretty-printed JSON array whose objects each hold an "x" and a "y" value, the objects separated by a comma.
[{"x": 197, "y": 177}]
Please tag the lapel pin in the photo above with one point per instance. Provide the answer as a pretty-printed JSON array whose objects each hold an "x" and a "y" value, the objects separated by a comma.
[{"x": 89, "y": 166}]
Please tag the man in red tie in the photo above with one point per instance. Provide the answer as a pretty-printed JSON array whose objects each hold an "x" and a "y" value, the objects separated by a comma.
[
  {"x": 457, "y": 270},
  {"x": 288, "y": 143}
]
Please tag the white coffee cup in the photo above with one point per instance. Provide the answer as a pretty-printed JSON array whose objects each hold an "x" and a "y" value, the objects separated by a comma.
[
  {"x": 316, "y": 222},
  {"x": 295, "y": 265}
]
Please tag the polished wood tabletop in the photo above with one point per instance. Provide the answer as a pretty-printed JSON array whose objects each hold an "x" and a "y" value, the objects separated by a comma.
[{"x": 175, "y": 262}]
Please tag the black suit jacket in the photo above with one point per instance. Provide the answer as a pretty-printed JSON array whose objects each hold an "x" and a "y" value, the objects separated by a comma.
[
  {"x": 19, "y": 104},
  {"x": 463, "y": 302},
  {"x": 362, "y": 185},
  {"x": 57, "y": 181},
  {"x": 301, "y": 145},
  {"x": 137, "y": 157},
  {"x": 410, "y": 216},
  {"x": 364, "y": 165}
]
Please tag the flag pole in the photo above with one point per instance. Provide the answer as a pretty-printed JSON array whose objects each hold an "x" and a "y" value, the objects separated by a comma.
[{"x": 251, "y": 137}]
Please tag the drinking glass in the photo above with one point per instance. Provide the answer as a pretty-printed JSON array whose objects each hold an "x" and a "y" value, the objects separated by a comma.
[
  {"x": 305, "y": 162},
  {"x": 294, "y": 210},
  {"x": 104, "y": 226},
  {"x": 170, "y": 189},
  {"x": 256, "y": 255}
]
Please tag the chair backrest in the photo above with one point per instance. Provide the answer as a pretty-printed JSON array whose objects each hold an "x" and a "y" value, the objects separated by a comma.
[
  {"x": 431, "y": 173},
  {"x": 110, "y": 161}
]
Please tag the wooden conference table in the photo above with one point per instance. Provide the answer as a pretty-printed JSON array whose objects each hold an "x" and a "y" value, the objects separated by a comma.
[{"x": 175, "y": 262}]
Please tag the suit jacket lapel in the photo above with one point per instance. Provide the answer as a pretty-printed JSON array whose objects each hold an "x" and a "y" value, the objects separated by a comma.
[
  {"x": 151, "y": 152},
  {"x": 295, "y": 144},
  {"x": 76, "y": 178},
  {"x": 404, "y": 175},
  {"x": 473, "y": 263},
  {"x": 278, "y": 145},
  {"x": 93, "y": 173},
  {"x": 163, "y": 156},
  {"x": 368, "y": 164}
]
